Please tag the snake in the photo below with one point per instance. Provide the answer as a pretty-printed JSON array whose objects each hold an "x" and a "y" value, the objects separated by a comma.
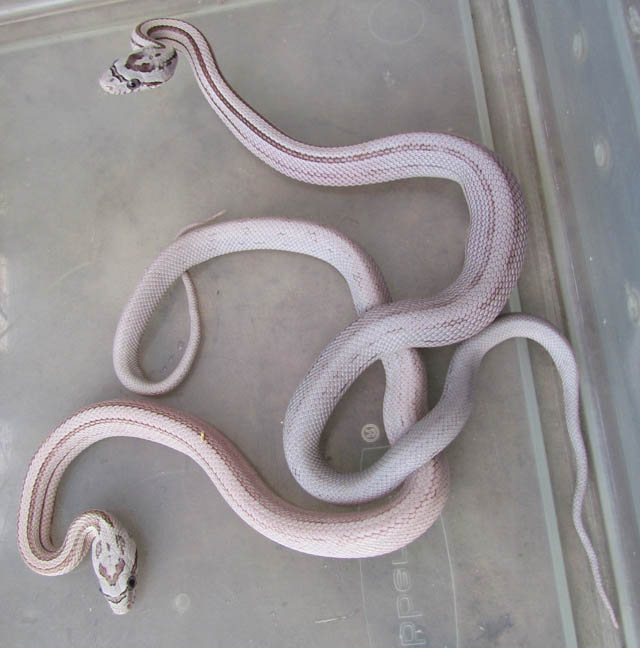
[
  {"x": 389, "y": 525},
  {"x": 380, "y": 528},
  {"x": 417, "y": 438},
  {"x": 494, "y": 249},
  {"x": 463, "y": 312}
]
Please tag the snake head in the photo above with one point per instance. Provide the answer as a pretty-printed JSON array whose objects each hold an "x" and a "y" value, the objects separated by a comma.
[
  {"x": 141, "y": 70},
  {"x": 115, "y": 561}
]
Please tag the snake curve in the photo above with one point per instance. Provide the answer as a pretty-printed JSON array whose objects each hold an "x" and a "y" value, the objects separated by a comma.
[
  {"x": 387, "y": 526},
  {"x": 494, "y": 250},
  {"x": 381, "y": 528},
  {"x": 417, "y": 440},
  {"x": 493, "y": 258}
]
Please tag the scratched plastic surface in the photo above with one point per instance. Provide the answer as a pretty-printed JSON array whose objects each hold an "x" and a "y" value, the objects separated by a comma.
[{"x": 93, "y": 187}]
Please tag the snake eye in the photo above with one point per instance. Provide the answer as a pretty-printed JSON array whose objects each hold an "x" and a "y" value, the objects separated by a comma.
[
  {"x": 133, "y": 84},
  {"x": 131, "y": 583}
]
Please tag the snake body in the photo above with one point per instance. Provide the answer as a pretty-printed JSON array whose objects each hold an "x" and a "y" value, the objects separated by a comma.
[
  {"x": 464, "y": 311},
  {"x": 389, "y": 525},
  {"x": 406, "y": 382},
  {"x": 494, "y": 250}
]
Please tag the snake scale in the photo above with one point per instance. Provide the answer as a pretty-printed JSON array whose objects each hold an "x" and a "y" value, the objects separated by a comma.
[{"x": 411, "y": 478}]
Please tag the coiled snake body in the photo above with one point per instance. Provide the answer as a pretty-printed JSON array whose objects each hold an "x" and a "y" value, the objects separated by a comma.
[{"x": 388, "y": 331}]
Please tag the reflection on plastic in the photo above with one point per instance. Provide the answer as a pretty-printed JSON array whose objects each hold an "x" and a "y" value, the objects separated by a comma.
[
  {"x": 408, "y": 598},
  {"x": 4, "y": 302}
]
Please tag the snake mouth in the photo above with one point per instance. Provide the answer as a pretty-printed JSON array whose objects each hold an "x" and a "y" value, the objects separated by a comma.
[
  {"x": 122, "y": 603},
  {"x": 109, "y": 80},
  {"x": 116, "y": 599}
]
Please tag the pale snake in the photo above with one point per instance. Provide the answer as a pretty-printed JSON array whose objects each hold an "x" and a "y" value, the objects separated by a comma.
[{"x": 493, "y": 259}]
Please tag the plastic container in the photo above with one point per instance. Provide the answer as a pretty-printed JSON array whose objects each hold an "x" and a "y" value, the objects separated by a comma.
[{"x": 93, "y": 187}]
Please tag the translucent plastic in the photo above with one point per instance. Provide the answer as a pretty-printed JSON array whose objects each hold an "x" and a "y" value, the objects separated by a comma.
[{"x": 94, "y": 186}]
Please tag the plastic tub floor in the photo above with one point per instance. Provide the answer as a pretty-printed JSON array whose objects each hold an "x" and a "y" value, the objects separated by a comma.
[{"x": 93, "y": 187}]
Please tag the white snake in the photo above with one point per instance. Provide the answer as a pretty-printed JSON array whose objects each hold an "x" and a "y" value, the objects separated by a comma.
[{"x": 493, "y": 258}]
